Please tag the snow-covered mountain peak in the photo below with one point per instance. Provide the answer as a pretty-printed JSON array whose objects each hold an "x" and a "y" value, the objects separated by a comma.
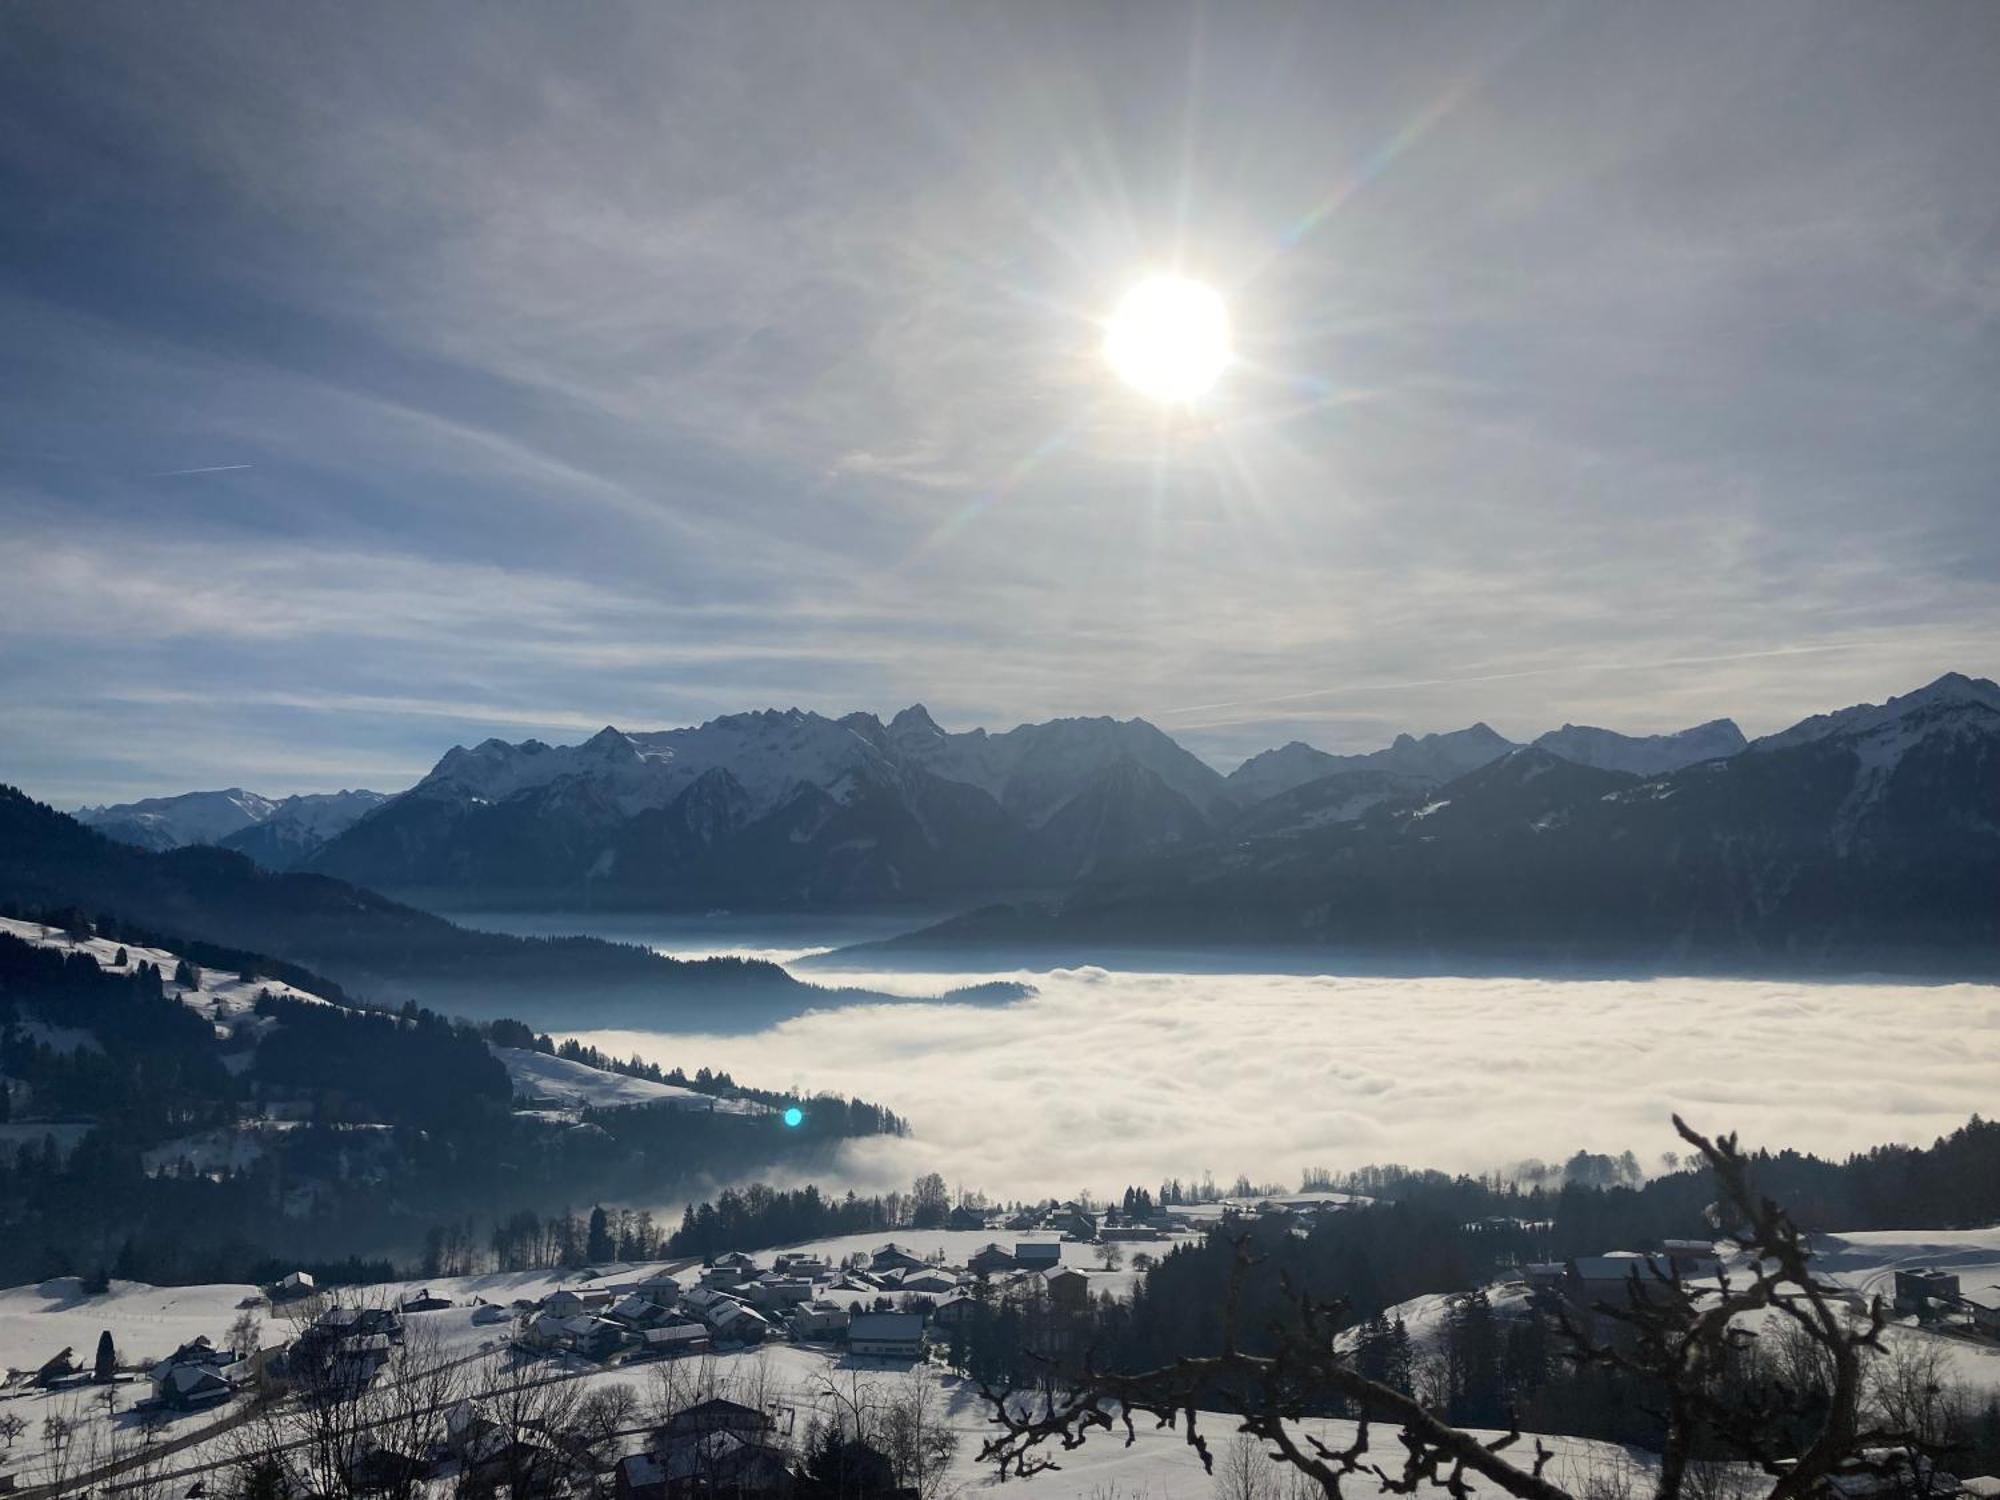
[
  {"x": 1952, "y": 700},
  {"x": 914, "y": 725}
]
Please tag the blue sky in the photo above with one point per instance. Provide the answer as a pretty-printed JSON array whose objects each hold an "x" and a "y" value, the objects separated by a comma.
[{"x": 375, "y": 377}]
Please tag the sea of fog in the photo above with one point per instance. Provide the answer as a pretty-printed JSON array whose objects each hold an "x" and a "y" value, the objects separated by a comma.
[{"x": 1104, "y": 1078}]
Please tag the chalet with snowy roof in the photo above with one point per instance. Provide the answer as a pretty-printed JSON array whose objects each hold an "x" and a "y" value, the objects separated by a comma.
[
  {"x": 989, "y": 1260},
  {"x": 736, "y": 1323},
  {"x": 894, "y": 1257},
  {"x": 636, "y": 1311},
  {"x": 817, "y": 1320},
  {"x": 773, "y": 1293},
  {"x": 594, "y": 1337},
  {"x": 728, "y": 1268},
  {"x": 658, "y": 1285},
  {"x": 802, "y": 1263},
  {"x": 290, "y": 1288},
  {"x": 190, "y": 1387},
  {"x": 572, "y": 1302},
  {"x": 674, "y": 1339},
  {"x": 886, "y": 1335},
  {"x": 929, "y": 1282}
]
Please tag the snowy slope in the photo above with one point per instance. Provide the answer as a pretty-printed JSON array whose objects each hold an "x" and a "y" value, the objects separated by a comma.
[
  {"x": 223, "y": 996},
  {"x": 537, "y": 1074},
  {"x": 219, "y": 817},
  {"x": 191, "y": 818}
]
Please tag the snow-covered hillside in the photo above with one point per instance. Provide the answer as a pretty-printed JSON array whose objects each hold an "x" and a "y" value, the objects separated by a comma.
[
  {"x": 570, "y": 1084},
  {"x": 302, "y": 821}
]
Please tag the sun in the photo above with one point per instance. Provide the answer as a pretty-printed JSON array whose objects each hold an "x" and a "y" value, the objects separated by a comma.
[{"x": 1168, "y": 338}]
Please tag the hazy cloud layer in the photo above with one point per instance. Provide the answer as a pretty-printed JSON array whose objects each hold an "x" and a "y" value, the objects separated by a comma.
[
  {"x": 1108, "y": 1079},
  {"x": 380, "y": 377}
]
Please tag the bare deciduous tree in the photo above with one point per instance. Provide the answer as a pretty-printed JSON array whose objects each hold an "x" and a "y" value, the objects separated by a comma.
[{"x": 1681, "y": 1339}]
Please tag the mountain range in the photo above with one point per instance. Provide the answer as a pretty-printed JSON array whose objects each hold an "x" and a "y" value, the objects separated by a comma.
[
  {"x": 1863, "y": 839},
  {"x": 788, "y": 809},
  {"x": 1866, "y": 835}
]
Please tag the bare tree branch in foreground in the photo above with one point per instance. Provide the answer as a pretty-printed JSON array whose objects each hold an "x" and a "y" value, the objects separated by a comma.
[{"x": 1682, "y": 1339}]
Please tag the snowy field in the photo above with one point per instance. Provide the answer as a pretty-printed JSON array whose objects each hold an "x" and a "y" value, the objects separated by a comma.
[
  {"x": 1103, "y": 1079},
  {"x": 37, "y": 1321}
]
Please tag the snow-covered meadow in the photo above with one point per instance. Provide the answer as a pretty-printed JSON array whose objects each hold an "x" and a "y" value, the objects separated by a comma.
[{"x": 1103, "y": 1079}]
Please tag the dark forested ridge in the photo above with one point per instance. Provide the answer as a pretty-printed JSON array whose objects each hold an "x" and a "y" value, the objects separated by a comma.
[
  {"x": 372, "y": 947},
  {"x": 147, "y": 1141}
]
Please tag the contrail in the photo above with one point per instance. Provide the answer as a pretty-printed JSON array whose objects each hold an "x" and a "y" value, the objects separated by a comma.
[
  {"x": 1425, "y": 682},
  {"x": 211, "y": 469}
]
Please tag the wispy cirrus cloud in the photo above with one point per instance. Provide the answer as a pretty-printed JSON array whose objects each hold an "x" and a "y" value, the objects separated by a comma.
[{"x": 660, "y": 363}]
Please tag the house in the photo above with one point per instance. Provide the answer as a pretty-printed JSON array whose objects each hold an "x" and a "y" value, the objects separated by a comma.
[
  {"x": 1544, "y": 1279},
  {"x": 1077, "y": 1226},
  {"x": 189, "y": 1387},
  {"x": 803, "y": 1263},
  {"x": 1024, "y": 1221},
  {"x": 1917, "y": 1290},
  {"x": 894, "y": 1257},
  {"x": 930, "y": 1282},
  {"x": 1037, "y": 1256},
  {"x": 1593, "y": 1282},
  {"x": 728, "y": 1268},
  {"x": 594, "y": 1337},
  {"x": 546, "y": 1331},
  {"x": 639, "y": 1476},
  {"x": 673, "y": 1339},
  {"x": 1689, "y": 1257},
  {"x": 886, "y": 1335},
  {"x": 297, "y": 1284},
  {"x": 737, "y": 1323},
  {"x": 956, "y": 1310},
  {"x": 656, "y": 1285},
  {"x": 637, "y": 1311},
  {"x": 358, "y": 1359},
  {"x": 817, "y": 1320},
  {"x": 1066, "y": 1284},
  {"x": 470, "y": 1434},
  {"x": 1985, "y": 1314},
  {"x": 773, "y": 1292},
  {"x": 423, "y": 1301},
  {"x": 716, "y": 1414},
  {"x": 724, "y": 1463},
  {"x": 965, "y": 1218},
  {"x": 571, "y": 1302},
  {"x": 989, "y": 1260}
]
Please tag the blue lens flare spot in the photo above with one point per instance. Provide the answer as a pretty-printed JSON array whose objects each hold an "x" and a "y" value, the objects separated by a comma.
[{"x": 795, "y": 1117}]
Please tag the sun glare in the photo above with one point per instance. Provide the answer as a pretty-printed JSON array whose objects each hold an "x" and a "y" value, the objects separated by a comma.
[{"x": 1169, "y": 338}]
